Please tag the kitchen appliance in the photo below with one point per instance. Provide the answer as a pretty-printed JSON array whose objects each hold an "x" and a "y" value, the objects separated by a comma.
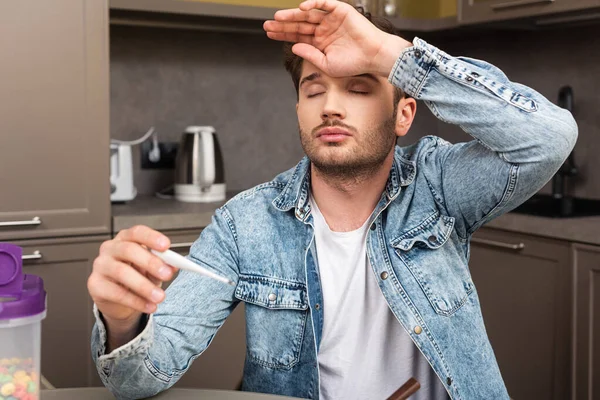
[
  {"x": 121, "y": 166},
  {"x": 121, "y": 173},
  {"x": 199, "y": 170},
  {"x": 22, "y": 309}
]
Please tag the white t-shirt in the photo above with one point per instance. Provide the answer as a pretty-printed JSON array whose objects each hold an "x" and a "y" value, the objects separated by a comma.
[{"x": 365, "y": 353}]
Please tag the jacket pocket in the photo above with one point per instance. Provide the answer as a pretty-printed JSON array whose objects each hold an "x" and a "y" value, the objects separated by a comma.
[
  {"x": 276, "y": 312},
  {"x": 439, "y": 267}
]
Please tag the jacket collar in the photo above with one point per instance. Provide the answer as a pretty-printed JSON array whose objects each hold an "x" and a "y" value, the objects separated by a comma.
[{"x": 295, "y": 193}]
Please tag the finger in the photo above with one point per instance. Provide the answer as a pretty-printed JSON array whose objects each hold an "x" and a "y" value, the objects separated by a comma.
[
  {"x": 291, "y": 37},
  {"x": 310, "y": 54},
  {"x": 128, "y": 277},
  {"x": 145, "y": 235},
  {"x": 295, "y": 14},
  {"x": 304, "y": 28},
  {"x": 325, "y": 5},
  {"x": 135, "y": 254},
  {"x": 158, "y": 282},
  {"x": 104, "y": 290}
]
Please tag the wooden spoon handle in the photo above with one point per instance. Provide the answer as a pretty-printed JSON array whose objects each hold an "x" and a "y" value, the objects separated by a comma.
[{"x": 409, "y": 388}]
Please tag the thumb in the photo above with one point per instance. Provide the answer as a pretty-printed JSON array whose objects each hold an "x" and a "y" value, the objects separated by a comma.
[{"x": 310, "y": 54}]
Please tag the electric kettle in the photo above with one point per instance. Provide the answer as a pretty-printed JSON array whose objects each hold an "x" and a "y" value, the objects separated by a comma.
[{"x": 199, "y": 171}]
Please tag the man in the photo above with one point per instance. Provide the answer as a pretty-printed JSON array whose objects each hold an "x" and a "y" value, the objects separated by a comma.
[{"x": 353, "y": 265}]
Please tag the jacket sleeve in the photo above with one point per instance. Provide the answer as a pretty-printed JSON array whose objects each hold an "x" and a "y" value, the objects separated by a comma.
[
  {"x": 520, "y": 138},
  {"x": 182, "y": 327}
]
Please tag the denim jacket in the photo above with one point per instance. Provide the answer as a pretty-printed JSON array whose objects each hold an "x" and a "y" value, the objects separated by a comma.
[{"x": 436, "y": 196}]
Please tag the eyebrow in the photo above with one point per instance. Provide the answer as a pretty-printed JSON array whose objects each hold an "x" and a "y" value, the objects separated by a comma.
[
  {"x": 316, "y": 75},
  {"x": 311, "y": 77},
  {"x": 368, "y": 76}
]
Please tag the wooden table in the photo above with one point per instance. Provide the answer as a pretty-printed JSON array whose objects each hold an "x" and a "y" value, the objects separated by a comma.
[{"x": 101, "y": 393}]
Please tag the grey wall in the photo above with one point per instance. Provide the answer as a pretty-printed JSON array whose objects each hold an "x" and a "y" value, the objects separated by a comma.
[
  {"x": 545, "y": 61},
  {"x": 236, "y": 82}
]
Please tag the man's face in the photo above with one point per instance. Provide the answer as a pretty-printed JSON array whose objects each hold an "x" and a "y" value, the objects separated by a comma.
[{"x": 346, "y": 124}]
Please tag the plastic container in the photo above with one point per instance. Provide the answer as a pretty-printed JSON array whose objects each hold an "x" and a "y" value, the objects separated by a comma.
[{"x": 22, "y": 309}]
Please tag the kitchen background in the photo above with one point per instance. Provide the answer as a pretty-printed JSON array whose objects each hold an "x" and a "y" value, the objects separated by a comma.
[
  {"x": 236, "y": 82},
  {"x": 64, "y": 70}
]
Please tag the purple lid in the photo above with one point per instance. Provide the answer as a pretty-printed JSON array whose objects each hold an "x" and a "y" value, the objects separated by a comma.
[{"x": 20, "y": 295}]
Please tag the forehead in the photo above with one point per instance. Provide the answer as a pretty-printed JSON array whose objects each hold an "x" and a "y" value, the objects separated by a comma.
[{"x": 308, "y": 68}]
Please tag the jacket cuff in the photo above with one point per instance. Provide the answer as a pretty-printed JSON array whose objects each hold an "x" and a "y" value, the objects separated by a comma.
[
  {"x": 138, "y": 345},
  {"x": 413, "y": 66}
]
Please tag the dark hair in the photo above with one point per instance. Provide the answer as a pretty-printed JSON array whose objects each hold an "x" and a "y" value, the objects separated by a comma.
[{"x": 293, "y": 63}]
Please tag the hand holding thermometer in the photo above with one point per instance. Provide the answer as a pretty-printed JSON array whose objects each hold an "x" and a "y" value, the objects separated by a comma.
[{"x": 178, "y": 261}]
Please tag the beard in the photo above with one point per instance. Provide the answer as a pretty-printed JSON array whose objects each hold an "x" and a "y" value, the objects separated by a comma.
[{"x": 359, "y": 160}]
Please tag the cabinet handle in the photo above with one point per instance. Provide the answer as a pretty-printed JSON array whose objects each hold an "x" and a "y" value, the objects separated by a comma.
[
  {"x": 181, "y": 245},
  {"x": 34, "y": 221},
  {"x": 519, "y": 3},
  {"x": 569, "y": 19},
  {"x": 36, "y": 255},
  {"x": 494, "y": 243}
]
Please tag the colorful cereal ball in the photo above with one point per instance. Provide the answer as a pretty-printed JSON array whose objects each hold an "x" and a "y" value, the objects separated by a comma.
[{"x": 7, "y": 389}]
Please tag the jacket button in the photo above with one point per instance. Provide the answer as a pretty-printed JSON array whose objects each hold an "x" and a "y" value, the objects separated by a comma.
[
  {"x": 373, "y": 227},
  {"x": 272, "y": 297},
  {"x": 317, "y": 306},
  {"x": 418, "y": 330},
  {"x": 433, "y": 238},
  {"x": 469, "y": 79},
  {"x": 449, "y": 381},
  {"x": 475, "y": 74},
  {"x": 384, "y": 275},
  {"x": 418, "y": 53}
]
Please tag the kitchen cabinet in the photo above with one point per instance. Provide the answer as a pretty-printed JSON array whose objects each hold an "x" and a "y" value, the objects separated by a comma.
[
  {"x": 474, "y": 11},
  {"x": 415, "y": 9},
  {"x": 54, "y": 146},
  {"x": 246, "y": 16},
  {"x": 182, "y": 240},
  {"x": 524, "y": 284},
  {"x": 65, "y": 265},
  {"x": 419, "y": 15},
  {"x": 242, "y": 9},
  {"x": 586, "y": 323}
]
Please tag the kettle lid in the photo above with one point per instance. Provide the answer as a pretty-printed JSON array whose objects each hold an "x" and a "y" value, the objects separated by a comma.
[{"x": 198, "y": 129}]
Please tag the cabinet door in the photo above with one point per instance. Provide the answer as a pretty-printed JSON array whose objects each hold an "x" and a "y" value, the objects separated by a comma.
[
  {"x": 182, "y": 240},
  {"x": 587, "y": 323},
  {"x": 524, "y": 285},
  {"x": 65, "y": 265},
  {"x": 221, "y": 366},
  {"x": 54, "y": 137},
  {"x": 471, "y": 11}
]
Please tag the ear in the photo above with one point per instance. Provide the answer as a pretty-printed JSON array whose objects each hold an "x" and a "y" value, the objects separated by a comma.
[{"x": 407, "y": 108}]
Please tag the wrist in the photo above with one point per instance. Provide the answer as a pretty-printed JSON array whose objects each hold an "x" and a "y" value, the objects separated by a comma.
[
  {"x": 120, "y": 332},
  {"x": 391, "y": 48}
]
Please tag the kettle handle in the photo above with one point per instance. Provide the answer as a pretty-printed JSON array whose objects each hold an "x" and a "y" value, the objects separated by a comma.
[{"x": 207, "y": 174}]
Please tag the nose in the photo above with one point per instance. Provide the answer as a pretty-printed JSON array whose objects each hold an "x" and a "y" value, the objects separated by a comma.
[{"x": 333, "y": 108}]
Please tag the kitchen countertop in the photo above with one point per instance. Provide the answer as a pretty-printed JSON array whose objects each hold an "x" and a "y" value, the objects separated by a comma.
[
  {"x": 582, "y": 229},
  {"x": 163, "y": 214}
]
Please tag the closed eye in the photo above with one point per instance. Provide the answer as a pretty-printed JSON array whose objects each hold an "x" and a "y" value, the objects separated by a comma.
[{"x": 313, "y": 95}]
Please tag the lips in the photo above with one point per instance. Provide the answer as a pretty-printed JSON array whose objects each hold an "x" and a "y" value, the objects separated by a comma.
[{"x": 333, "y": 131}]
